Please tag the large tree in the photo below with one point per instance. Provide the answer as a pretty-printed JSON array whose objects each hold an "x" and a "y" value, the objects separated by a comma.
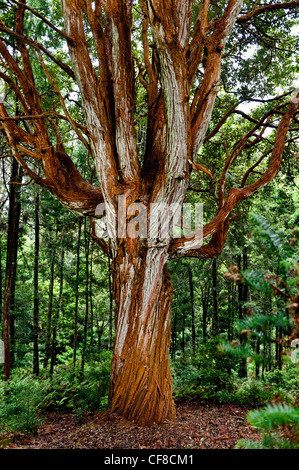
[{"x": 172, "y": 49}]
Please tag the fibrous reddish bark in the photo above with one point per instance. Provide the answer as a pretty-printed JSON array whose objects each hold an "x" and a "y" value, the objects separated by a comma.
[{"x": 177, "y": 120}]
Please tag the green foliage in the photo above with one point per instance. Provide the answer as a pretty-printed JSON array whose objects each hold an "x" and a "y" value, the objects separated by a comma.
[
  {"x": 285, "y": 382},
  {"x": 208, "y": 377},
  {"x": 204, "y": 376},
  {"x": 258, "y": 58},
  {"x": 21, "y": 401},
  {"x": 279, "y": 424},
  {"x": 25, "y": 398},
  {"x": 252, "y": 392}
]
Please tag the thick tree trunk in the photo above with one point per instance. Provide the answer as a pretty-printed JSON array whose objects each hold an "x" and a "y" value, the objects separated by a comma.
[
  {"x": 36, "y": 286},
  {"x": 140, "y": 382}
]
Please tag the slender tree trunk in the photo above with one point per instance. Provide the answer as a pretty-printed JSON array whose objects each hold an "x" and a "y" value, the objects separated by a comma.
[
  {"x": 36, "y": 286},
  {"x": 242, "y": 297},
  {"x": 77, "y": 293},
  {"x": 278, "y": 347},
  {"x": 1, "y": 310},
  {"x": 14, "y": 269},
  {"x": 91, "y": 300},
  {"x": 257, "y": 366},
  {"x": 110, "y": 345},
  {"x": 205, "y": 304},
  {"x": 183, "y": 331},
  {"x": 50, "y": 310},
  {"x": 191, "y": 287},
  {"x": 9, "y": 270},
  {"x": 56, "y": 319},
  {"x": 215, "y": 320},
  {"x": 174, "y": 336},
  {"x": 204, "y": 320},
  {"x": 100, "y": 330},
  {"x": 140, "y": 382},
  {"x": 229, "y": 312}
]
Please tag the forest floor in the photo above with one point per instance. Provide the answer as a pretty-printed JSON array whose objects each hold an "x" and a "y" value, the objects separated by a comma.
[{"x": 197, "y": 426}]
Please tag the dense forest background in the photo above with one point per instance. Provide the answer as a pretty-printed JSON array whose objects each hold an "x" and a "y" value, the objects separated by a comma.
[
  {"x": 232, "y": 337},
  {"x": 231, "y": 321}
]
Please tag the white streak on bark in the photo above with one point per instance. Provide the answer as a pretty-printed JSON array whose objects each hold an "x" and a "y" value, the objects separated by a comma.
[
  {"x": 184, "y": 22},
  {"x": 232, "y": 18}
]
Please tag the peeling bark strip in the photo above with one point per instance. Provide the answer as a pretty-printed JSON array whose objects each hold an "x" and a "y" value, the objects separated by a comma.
[{"x": 173, "y": 50}]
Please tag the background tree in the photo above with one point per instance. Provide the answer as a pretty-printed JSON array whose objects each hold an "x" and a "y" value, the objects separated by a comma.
[{"x": 183, "y": 46}]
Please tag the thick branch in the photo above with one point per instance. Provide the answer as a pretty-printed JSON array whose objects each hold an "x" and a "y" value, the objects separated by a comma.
[
  {"x": 124, "y": 92},
  {"x": 173, "y": 68},
  {"x": 102, "y": 138},
  {"x": 194, "y": 247},
  {"x": 205, "y": 97}
]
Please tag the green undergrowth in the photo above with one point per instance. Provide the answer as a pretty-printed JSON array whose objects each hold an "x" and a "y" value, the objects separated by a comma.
[
  {"x": 209, "y": 379},
  {"x": 25, "y": 398}
]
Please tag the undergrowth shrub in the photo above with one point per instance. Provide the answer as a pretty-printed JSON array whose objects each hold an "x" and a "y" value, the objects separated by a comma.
[
  {"x": 285, "y": 382},
  {"x": 279, "y": 426},
  {"x": 208, "y": 378},
  {"x": 21, "y": 401},
  {"x": 70, "y": 389},
  {"x": 203, "y": 376},
  {"x": 25, "y": 398},
  {"x": 252, "y": 392}
]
